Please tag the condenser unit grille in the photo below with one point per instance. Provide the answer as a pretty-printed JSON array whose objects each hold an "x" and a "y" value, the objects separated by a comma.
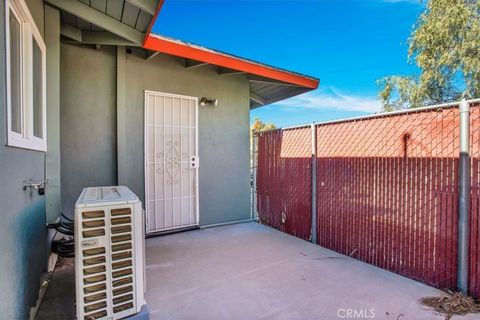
[
  {"x": 121, "y": 259},
  {"x": 94, "y": 267},
  {"x": 109, "y": 239},
  {"x": 108, "y": 268}
]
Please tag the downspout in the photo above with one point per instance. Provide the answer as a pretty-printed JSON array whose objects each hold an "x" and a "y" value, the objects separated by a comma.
[
  {"x": 314, "y": 183},
  {"x": 464, "y": 197}
]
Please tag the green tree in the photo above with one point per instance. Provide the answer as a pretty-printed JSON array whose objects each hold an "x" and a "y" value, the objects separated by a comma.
[
  {"x": 258, "y": 126},
  {"x": 445, "y": 45}
]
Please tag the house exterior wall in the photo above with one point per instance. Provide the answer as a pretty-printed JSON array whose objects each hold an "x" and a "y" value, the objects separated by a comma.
[
  {"x": 52, "y": 160},
  {"x": 223, "y": 132},
  {"x": 87, "y": 120},
  {"x": 23, "y": 235},
  {"x": 87, "y": 103},
  {"x": 88, "y": 135}
]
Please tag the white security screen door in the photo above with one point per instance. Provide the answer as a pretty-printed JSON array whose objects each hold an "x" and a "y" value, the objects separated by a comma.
[{"x": 171, "y": 162}]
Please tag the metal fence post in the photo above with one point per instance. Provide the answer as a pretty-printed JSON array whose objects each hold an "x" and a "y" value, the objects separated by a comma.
[
  {"x": 253, "y": 161},
  {"x": 314, "y": 182},
  {"x": 464, "y": 197}
]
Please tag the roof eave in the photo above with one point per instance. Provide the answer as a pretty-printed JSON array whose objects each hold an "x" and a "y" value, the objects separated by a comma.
[
  {"x": 189, "y": 51},
  {"x": 275, "y": 76}
]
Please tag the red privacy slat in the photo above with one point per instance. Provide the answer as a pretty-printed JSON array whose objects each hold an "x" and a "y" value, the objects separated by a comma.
[
  {"x": 284, "y": 180},
  {"x": 387, "y": 190},
  {"x": 474, "y": 271}
]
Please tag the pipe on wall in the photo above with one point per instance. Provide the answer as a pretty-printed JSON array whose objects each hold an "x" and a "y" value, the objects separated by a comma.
[{"x": 464, "y": 197}]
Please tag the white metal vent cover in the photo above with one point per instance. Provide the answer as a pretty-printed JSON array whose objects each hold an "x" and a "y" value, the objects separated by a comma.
[{"x": 109, "y": 253}]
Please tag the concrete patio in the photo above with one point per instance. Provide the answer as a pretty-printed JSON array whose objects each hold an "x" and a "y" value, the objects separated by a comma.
[{"x": 249, "y": 271}]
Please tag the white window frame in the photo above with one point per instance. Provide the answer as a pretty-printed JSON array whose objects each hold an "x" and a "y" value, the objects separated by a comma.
[{"x": 29, "y": 33}]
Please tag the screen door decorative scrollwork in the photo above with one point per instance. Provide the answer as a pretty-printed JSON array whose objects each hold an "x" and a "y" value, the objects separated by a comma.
[{"x": 171, "y": 161}]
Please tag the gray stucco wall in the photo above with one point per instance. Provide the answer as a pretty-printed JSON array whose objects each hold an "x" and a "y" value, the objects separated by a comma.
[
  {"x": 52, "y": 160},
  {"x": 23, "y": 235},
  {"x": 87, "y": 120},
  {"x": 223, "y": 132},
  {"x": 88, "y": 128}
]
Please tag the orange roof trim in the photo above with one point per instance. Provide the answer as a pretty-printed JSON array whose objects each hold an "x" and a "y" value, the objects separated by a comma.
[
  {"x": 185, "y": 50},
  {"x": 152, "y": 22}
]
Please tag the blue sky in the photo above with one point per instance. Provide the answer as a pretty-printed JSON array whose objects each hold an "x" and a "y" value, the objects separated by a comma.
[{"x": 347, "y": 44}]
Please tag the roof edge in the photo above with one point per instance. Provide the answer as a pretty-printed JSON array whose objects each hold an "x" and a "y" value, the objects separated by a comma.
[
  {"x": 190, "y": 51},
  {"x": 152, "y": 22}
]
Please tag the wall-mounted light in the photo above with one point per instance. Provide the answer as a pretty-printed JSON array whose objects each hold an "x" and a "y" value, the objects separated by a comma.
[{"x": 206, "y": 101}]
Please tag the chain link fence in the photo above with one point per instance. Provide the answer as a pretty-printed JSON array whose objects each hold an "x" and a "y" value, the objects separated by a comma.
[
  {"x": 474, "y": 253},
  {"x": 387, "y": 190},
  {"x": 284, "y": 160}
]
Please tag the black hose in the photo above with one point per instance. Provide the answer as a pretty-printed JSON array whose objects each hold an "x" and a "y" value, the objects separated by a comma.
[
  {"x": 65, "y": 217},
  {"x": 64, "y": 247}
]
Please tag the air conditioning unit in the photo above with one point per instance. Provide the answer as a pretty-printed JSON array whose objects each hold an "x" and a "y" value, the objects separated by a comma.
[{"x": 109, "y": 253}]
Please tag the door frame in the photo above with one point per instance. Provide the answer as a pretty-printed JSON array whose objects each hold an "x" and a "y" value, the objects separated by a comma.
[{"x": 145, "y": 148}]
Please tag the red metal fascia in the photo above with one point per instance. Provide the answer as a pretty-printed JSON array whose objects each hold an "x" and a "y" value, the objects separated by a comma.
[
  {"x": 222, "y": 60},
  {"x": 152, "y": 22}
]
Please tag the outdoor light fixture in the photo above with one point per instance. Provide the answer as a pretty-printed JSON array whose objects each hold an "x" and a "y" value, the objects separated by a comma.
[{"x": 206, "y": 101}]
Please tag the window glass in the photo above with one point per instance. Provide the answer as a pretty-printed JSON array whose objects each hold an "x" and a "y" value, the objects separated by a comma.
[
  {"x": 15, "y": 74},
  {"x": 37, "y": 90},
  {"x": 26, "y": 80}
]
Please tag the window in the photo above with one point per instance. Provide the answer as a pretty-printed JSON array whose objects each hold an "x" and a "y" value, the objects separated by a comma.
[
  {"x": 15, "y": 70},
  {"x": 37, "y": 90},
  {"x": 26, "y": 101}
]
